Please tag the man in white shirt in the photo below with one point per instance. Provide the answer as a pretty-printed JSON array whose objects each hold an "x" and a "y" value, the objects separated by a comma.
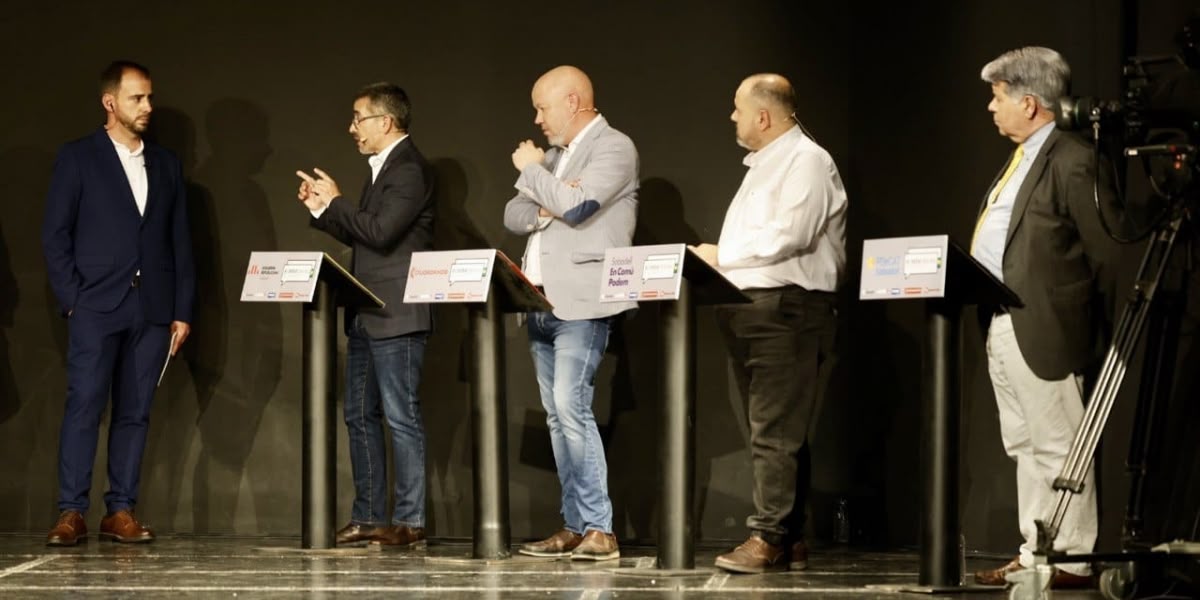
[
  {"x": 385, "y": 346},
  {"x": 782, "y": 244}
]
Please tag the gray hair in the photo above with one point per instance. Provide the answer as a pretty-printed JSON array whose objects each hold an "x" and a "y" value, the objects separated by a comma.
[{"x": 1031, "y": 71}]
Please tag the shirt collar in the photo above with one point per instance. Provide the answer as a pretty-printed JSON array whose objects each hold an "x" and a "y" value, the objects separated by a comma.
[
  {"x": 1033, "y": 144},
  {"x": 583, "y": 133},
  {"x": 788, "y": 138},
  {"x": 124, "y": 150},
  {"x": 379, "y": 158}
]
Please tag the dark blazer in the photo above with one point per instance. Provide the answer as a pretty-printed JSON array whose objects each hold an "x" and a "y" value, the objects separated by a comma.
[
  {"x": 394, "y": 218},
  {"x": 1060, "y": 261},
  {"x": 95, "y": 241}
]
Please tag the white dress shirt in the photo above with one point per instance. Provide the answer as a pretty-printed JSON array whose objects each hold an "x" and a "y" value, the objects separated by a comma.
[
  {"x": 787, "y": 223},
  {"x": 376, "y": 161},
  {"x": 533, "y": 252},
  {"x": 134, "y": 163}
]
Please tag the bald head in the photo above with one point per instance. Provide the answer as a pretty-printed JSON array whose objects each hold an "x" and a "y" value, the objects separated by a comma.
[
  {"x": 565, "y": 103},
  {"x": 762, "y": 108},
  {"x": 772, "y": 92}
]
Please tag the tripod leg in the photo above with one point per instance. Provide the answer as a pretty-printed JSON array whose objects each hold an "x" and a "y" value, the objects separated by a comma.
[
  {"x": 1129, "y": 329},
  {"x": 1157, "y": 373}
]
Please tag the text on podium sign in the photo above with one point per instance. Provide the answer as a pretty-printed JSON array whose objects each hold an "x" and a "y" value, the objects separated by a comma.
[
  {"x": 905, "y": 267},
  {"x": 449, "y": 276},
  {"x": 281, "y": 276},
  {"x": 642, "y": 273}
]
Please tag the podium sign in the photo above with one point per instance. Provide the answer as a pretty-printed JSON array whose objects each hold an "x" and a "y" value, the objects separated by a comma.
[
  {"x": 906, "y": 267},
  {"x": 449, "y": 276},
  {"x": 281, "y": 276},
  {"x": 642, "y": 273}
]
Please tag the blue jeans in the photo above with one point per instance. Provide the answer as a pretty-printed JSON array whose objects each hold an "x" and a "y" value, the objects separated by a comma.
[
  {"x": 382, "y": 377},
  {"x": 566, "y": 355}
]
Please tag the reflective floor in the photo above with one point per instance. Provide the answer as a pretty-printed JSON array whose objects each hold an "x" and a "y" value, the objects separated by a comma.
[{"x": 211, "y": 567}]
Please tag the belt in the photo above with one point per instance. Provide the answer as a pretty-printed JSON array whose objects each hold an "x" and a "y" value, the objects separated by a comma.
[{"x": 137, "y": 280}]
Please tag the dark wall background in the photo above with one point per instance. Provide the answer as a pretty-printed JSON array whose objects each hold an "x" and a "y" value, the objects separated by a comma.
[{"x": 249, "y": 92}]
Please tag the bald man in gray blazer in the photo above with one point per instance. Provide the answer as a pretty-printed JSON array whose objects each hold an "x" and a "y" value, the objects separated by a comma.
[{"x": 574, "y": 201}]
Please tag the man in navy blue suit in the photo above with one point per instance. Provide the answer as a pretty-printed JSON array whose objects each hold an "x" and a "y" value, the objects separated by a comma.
[{"x": 118, "y": 256}]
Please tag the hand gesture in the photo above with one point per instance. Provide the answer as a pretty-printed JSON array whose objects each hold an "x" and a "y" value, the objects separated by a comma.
[
  {"x": 316, "y": 193},
  {"x": 527, "y": 153}
]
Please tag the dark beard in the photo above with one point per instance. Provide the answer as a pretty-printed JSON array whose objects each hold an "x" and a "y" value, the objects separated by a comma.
[{"x": 133, "y": 125}]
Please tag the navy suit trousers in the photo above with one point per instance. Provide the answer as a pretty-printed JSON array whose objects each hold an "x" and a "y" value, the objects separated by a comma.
[{"x": 115, "y": 354}]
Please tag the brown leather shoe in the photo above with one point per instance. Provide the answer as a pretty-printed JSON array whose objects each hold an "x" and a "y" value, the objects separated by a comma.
[
  {"x": 123, "y": 527},
  {"x": 755, "y": 555},
  {"x": 597, "y": 545},
  {"x": 400, "y": 535},
  {"x": 560, "y": 544},
  {"x": 996, "y": 576},
  {"x": 798, "y": 559},
  {"x": 354, "y": 532},
  {"x": 69, "y": 529},
  {"x": 1062, "y": 579}
]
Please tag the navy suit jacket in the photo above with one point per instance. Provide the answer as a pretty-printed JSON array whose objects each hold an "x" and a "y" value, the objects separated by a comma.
[
  {"x": 393, "y": 219},
  {"x": 95, "y": 240}
]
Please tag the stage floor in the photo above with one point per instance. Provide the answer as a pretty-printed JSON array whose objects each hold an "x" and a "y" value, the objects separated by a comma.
[{"x": 213, "y": 567}]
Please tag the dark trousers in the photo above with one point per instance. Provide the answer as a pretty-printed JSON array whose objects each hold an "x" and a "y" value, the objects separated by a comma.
[
  {"x": 115, "y": 353},
  {"x": 780, "y": 344}
]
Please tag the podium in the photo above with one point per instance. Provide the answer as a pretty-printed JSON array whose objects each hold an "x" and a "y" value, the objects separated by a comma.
[
  {"x": 947, "y": 278},
  {"x": 491, "y": 285},
  {"x": 647, "y": 273},
  {"x": 701, "y": 285},
  {"x": 319, "y": 282}
]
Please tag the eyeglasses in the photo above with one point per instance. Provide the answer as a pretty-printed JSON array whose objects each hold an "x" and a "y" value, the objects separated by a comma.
[{"x": 354, "y": 121}]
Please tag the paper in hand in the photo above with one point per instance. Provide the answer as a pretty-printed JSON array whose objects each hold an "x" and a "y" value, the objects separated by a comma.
[{"x": 171, "y": 344}]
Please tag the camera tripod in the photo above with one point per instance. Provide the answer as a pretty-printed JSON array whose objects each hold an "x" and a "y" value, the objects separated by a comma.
[{"x": 1174, "y": 229}]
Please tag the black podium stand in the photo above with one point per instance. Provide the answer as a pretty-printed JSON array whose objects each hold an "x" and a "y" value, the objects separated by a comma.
[
  {"x": 967, "y": 282},
  {"x": 510, "y": 292},
  {"x": 701, "y": 285},
  {"x": 335, "y": 287}
]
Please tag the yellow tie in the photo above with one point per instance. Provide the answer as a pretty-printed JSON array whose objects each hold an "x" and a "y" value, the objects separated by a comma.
[{"x": 1012, "y": 167}]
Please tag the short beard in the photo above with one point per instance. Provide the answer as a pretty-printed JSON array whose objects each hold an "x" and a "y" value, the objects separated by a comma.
[{"x": 133, "y": 125}]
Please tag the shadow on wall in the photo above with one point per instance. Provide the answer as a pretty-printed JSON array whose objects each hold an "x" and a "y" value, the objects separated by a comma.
[
  {"x": 867, "y": 448},
  {"x": 237, "y": 368},
  {"x": 33, "y": 343},
  {"x": 234, "y": 353},
  {"x": 445, "y": 375},
  {"x": 9, "y": 295}
]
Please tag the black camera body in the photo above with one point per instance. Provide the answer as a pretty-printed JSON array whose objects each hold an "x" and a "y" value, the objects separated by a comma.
[{"x": 1160, "y": 102}]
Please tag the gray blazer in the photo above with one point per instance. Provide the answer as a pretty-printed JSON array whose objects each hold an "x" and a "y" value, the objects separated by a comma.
[{"x": 599, "y": 213}]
